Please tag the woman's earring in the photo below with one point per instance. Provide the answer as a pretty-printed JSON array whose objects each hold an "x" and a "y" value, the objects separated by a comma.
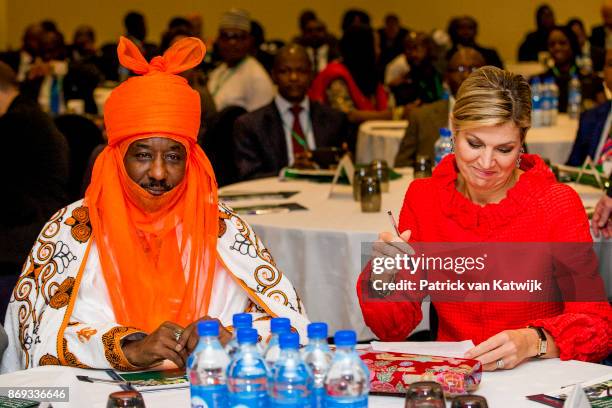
[{"x": 518, "y": 161}]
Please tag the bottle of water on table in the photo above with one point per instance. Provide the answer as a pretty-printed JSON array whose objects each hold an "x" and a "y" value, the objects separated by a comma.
[
  {"x": 247, "y": 374},
  {"x": 206, "y": 368},
  {"x": 278, "y": 325},
  {"x": 536, "y": 103},
  {"x": 347, "y": 382},
  {"x": 547, "y": 102},
  {"x": 443, "y": 145},
  {"x": 574, "y": 98},
  {"x": 554, "y": 101},
  {"x": 318, "y": 356},
  {"x": 291, "y": 384},
  {"x": 240, "y": 321}
]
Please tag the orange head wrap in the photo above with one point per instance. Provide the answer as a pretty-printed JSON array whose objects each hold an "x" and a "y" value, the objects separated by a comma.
[{"x": 157, "y": 253}]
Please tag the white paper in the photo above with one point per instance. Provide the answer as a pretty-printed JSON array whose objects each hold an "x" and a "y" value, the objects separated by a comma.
[
  {"x": 577, "y": 399},
  {"x": 429, "y": 348}
]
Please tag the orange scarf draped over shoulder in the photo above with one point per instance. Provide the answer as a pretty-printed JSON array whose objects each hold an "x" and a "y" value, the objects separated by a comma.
[{"x": 157, "y": 253}]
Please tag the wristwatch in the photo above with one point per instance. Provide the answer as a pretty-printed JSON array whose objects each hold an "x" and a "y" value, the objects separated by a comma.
[
  {"x": 542, "y": 342},
  {"x": 609, "y": 191}
]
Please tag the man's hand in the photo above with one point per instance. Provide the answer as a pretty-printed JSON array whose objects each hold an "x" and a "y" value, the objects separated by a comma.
[
  {"x": 156, "y": 347},
  {"x": 189, "y": 338},
  {"x": 390, "y": 245},
  {"x": 511, "y": 346},
  {"x": 602, "y": 220}
]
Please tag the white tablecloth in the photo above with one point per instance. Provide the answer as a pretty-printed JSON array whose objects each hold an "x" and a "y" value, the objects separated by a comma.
[
  {"x": 501, "y": 389},
  {"x": 319, "y": 249},
  {"x": 381, "y": 140}
]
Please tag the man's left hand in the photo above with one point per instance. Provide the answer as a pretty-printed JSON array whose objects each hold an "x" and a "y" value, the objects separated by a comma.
[
  {"x": 511, "y": 346},
  {"x": 189, "y": 337}
]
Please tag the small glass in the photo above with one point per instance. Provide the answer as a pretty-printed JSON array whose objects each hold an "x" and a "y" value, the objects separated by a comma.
[
  {"x": 422, "y": 167},
  {"x": 125, "y": 399},
  {"x": 469, "y": 401},
  {"x": 425, "y": 394},
  {"x": 370, "y": 194},
  {"x": 359, "y": 174},
  {"x": 380, "y": 168}
]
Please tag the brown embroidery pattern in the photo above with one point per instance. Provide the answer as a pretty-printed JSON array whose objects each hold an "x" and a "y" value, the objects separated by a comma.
[
  {"x": 111, "y": 340},
  {"x": 62, "y": 294},
  {"x": 85, "y": 334},
  {"x": 48, "y": 359},
  {"x": 70, "y": 359},
  {"x": 80, "y": 224},
  {"x": 222, "y": 226}
]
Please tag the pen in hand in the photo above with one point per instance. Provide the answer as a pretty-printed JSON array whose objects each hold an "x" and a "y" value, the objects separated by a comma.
[{"x": 393, "y": 223}]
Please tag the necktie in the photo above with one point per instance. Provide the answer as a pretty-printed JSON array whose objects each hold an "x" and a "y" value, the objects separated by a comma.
[
  {"x": 606, "y": 151},
  {"x": 298, "y": 139}
]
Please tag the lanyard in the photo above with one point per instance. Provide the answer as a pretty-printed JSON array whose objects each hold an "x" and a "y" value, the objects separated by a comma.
[
  {"x": 557, "y": 73},
  {"x": 226, "y": 75}
]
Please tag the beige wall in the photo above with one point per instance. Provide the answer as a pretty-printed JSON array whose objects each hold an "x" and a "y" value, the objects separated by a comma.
[{"x": 503, "y": 23}]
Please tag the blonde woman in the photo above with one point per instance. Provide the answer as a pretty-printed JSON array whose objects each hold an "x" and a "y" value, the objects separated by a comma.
[{"x": 490, "y": 191}]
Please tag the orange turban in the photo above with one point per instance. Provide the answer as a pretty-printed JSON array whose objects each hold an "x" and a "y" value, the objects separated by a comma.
[{"x": 157, "y": 253}]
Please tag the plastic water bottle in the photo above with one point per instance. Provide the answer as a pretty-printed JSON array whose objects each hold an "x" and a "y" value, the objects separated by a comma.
[
  {"x": 536, "y": 102},
  {"x": 206, "y": 368},
  {"x": 278, "y": 325},
  {"x": 443, "y": 145},
  {"x": 291, "y": 384},
  {"x": 554, "y": 102},
  {"x": 247, "y": 374},
  {"x": 347, "y": 381},
  {"x": 547, "y": 103},
  {"x": 318, "y": 357},
  {"x": 240, "y": 321},
  {"x": 574, "y": 98}
]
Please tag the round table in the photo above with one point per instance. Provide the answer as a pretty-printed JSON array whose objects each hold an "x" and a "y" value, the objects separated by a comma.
[
  {"x": 381, "y": 140},
  {"x": 320, "y": 249},
  {"x": 502, "y": 389}
]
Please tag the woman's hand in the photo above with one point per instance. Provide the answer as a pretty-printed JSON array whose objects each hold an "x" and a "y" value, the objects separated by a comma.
[
  {"x": 388, "y": 245},
  {"x": 189, "y": 338},
  {"x": 602, "y": 218},
  {"x": 510, "y": 346},
  {"x": 156, "y": 347}
]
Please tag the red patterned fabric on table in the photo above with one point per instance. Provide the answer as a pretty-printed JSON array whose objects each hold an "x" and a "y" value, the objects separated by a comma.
[{"x": 536, "y": 209}]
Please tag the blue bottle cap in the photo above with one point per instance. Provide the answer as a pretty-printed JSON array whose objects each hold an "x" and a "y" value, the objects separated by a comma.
[
  {"x": 242, "y": 320},
  {"x": 289, "y": 340},
  {"x": 247, "y": 336},
  {"x": 345, "y": 338},
  {"x": 445, "y": 132},
  {"x": 317, "y": 330},
  {"x": 208, "y": 328},
  {"x": 279, "y": 325}
]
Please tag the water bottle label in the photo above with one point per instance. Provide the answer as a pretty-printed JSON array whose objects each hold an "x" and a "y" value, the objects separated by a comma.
[
  {"x": 350, "y": 402},
  {"x": 211, "y": 396},
  {"x": 248, "y": 400}
]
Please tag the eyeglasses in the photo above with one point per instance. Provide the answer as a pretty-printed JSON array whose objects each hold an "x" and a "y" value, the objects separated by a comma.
[
  {"x": 229, "y": 35},
  {"x": 463, "y": 68}
]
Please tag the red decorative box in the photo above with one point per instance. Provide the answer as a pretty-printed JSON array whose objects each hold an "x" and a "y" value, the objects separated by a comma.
[{"x": 394, "y": 372}]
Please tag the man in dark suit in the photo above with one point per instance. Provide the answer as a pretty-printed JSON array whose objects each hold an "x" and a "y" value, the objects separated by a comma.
[
  {"x": 594, "y": 128},
  {"x": 270, "y": 138},
  {"x": 601, "y": 36},
  {"x": 425, "y": 122},
  {"x": 21, "y": 60}
]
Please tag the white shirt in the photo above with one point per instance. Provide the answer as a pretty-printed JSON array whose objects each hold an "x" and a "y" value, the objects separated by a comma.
[
  {"x": 247, "y": 85},
  {"x": 284, "y": 108},
  {"x": 320, "y": 55},
  {"x": 398, "y": 67}
]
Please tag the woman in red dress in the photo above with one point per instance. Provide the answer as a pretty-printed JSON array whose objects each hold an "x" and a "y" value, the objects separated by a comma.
[{"x": 490, "y": 191}]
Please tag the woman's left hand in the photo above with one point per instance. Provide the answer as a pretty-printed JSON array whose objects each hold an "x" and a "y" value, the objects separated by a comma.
[{"x": 509, "y": 346}]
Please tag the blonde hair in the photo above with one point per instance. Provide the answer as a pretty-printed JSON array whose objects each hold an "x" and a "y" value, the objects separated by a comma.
[{"x": 492, "y": 97}]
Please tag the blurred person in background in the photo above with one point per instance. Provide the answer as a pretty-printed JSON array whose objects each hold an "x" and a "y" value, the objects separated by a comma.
[
  {"x": 584, "y": 61},
  {"x": 601, "y": 36},
  {"x": 83, "y": 45},
  {"x": 425, "y": 122},
  {"x": 321, "y": 46},
  {"x": 463, "y": 31},
  {"x": 21, "y": 60},
  {"x": 564, "y": 49},
  {"x": 391, "y": 39},
  {"x": 537, "y": 41},
  {"x": 240, "y": 80}
]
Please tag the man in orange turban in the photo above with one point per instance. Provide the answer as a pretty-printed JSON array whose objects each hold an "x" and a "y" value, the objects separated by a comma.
[{"x": 119, "y": 279}]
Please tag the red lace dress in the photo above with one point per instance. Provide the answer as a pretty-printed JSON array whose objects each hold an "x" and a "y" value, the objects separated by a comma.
[{"x": 536, "y": 209}]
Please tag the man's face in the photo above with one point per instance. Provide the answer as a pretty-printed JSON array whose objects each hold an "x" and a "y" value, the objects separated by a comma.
[
  {"x": 606, "y": 14},
  {"x": 608, "y": 70},
  {"x": 292, "y": 74},
  {"x": 234, "y": 44},
  {"x": 548, "y": 19},
  {"x": 416, "y": 51},
  {"x": 466, "y": 31},
  {"x": 559, "y": 47},
  {"x": 314, "y": 33},
  {"x": 461, "y": 65},
  {"x": 156, "y": 164}
]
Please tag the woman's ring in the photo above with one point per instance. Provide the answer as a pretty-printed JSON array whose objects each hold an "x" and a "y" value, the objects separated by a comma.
[
  {"x": 500, "y": 364},
  {"x": 177, "y": 334}
]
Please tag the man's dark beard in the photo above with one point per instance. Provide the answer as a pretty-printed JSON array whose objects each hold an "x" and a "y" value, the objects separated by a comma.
[{"x": 157, "y": 185}]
